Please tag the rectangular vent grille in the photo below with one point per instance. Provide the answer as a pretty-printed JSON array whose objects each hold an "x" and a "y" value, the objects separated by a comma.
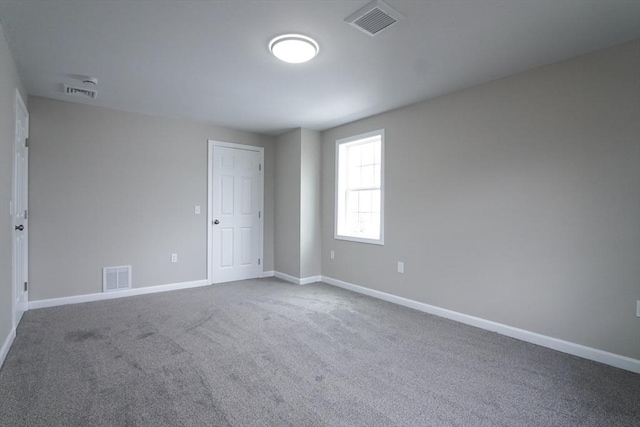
[
  {"x": 374, "y": 17},
  {"x": 116, "y": 278},
  {"x": 375, "y": 21},
  {"x": 80, "y": 91}
]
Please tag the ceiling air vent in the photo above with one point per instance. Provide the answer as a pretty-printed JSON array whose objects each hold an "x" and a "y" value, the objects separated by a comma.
[
  {"x": 80, "y": 91},
  {"x": 374, "y": 17}
]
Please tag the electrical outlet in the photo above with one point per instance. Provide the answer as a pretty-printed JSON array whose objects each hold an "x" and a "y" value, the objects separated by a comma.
[
  {"x": 333, "y": 255},
  {"x": 400, "y": 267},
  {"x": 638, "y": 308},
  {"x": 197, "y": 210},
  {"x": 174, "y": 257}
]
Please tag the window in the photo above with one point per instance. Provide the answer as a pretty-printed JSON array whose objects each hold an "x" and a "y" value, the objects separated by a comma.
[{"x": 360, "y": 188}]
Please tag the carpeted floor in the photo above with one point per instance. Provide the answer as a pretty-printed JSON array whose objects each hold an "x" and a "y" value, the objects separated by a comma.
[{"x": 268, "y": 353}]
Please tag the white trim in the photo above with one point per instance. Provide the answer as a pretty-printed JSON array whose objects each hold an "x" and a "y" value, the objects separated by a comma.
[
  {"x": 4, "y": 350},
  {"x": 210, "y": 144},
  {"x": 286, "y": 277},
  {"x": 209, "y": 210},
  {"x": 297, "y": 280},
  {"x": 310, "y": 279},
  {"x": 337, "y": 192},
  {"x": 579, "y": 350},
  {"x": 76, "y": 299},
  {"x": 235, "y": 145},
  {"x": 268, "y": 273}
]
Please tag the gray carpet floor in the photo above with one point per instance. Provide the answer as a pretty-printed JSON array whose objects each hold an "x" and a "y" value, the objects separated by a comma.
[{"x": 268, "y": 353}]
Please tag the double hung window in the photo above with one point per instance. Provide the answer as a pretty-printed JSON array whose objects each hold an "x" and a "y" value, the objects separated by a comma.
[{"x": 360, "y": 188}]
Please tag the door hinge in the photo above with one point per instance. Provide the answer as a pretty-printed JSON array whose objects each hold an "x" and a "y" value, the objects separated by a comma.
[
  {"x": 260, "y": 166},
  {"x": 26, "y": 142},
  {"x": 26, "y": 214},
  {"x": 259, "y": 214},
  {"x": 25, "y": 286},
  {"x": 258, "y": 261}
]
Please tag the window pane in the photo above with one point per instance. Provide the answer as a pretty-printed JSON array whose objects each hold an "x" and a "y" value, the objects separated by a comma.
[
  {"x": 364, "y": 223},
  {"x": 356, "y": 228},
  {"x": 350, "y": 220},
  {"x": 364, "y": 204},
  {"x": 354, "y": 156},
  {"x": 354, "y": 177},
  {"x": 352, "y": 201},
  {"x": 377, "y": 175},
  {"x": 367, "y": 154},
  {"x": 367, "y": 176},
  {"x": 375, "y": 201},
  {"x": 377, "y": 152}
]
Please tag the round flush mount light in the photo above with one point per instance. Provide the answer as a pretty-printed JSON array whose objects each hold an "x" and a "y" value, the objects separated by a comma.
[
  {"x": 90, "y": 80},
  {"x": 294, "y": 48}
]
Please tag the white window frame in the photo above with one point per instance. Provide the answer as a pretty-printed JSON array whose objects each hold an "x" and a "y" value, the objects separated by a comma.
[{"x": 380, "y": 241}]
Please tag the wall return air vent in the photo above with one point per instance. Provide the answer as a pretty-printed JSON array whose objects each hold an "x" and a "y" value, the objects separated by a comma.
[
  {"x": 374, "y": 17},
  {"x": 116, "y": 278},
  {"x": 81, "y": 91}
]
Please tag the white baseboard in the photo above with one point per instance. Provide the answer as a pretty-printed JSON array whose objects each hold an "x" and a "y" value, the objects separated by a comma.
[
  {"x": 6, "y": 345},
  {"x": 76, "y": 299},
  {"x": 579, "y": 350},
  {"x": 310, "y": 279},
  {"x": 286, "y": 277},
  {"x": 267, "y": 273},
  {"x": 297, "y": 280}
]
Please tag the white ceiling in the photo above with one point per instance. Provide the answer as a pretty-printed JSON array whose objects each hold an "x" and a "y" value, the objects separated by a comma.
[{"x": 208, "y": 60}]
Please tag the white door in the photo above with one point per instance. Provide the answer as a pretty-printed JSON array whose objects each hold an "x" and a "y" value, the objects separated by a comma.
[
  {"x": 235, "y": 212},
  {"x": 19, "y": 209}
]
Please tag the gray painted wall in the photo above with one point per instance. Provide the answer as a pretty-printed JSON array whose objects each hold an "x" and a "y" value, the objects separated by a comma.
[
  {"x": 9, "y": 82},
  {"x": 310, "y": 208},
  {"x": 287, "y": 224},
  {"x": 298, "y": 224},
  {"x": 515, "y": 201},
  {"x": 114, "y": 188}
]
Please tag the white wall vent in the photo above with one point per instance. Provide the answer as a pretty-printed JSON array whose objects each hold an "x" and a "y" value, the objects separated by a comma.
[
  {"x": 374, "y": 17},
  {"x": 80, "y": 91},
  {"x": 116, "y": 278}
]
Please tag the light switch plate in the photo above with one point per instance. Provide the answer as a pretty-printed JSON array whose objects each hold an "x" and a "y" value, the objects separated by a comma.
[
  {"x": 400, "y": 267},
  {"x": 197, "y": 210},
  {"x": 638, "y": 308}
]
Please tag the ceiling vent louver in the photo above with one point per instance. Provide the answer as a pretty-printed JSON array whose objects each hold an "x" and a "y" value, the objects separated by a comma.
[
  {"x": 81, "y": 91},
  {"x": 374, "y": 17}
]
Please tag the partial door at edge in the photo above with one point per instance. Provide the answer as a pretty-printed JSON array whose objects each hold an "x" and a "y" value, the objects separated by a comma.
[{"x": 19, "y": 211}]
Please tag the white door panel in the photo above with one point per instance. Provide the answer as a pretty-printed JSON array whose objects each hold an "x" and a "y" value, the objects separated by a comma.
[
  {"x": 20, "y": 198},
  {"x": 235, "y": 206}
]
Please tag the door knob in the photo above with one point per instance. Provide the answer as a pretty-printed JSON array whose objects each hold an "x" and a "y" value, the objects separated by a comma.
[
  {"x": 216, "y": 222},
  {"x": 20, "y": 227}
]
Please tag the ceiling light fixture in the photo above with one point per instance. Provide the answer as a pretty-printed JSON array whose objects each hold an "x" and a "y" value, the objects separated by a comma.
[
  {"x": 90, "y": 81},
  {"x": 294, "y": 48}
]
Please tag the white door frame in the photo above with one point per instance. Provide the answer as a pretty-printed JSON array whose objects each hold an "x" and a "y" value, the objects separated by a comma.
[
  {"x": 19, "y": 104},
  {"x": 260, "y": 150}
]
